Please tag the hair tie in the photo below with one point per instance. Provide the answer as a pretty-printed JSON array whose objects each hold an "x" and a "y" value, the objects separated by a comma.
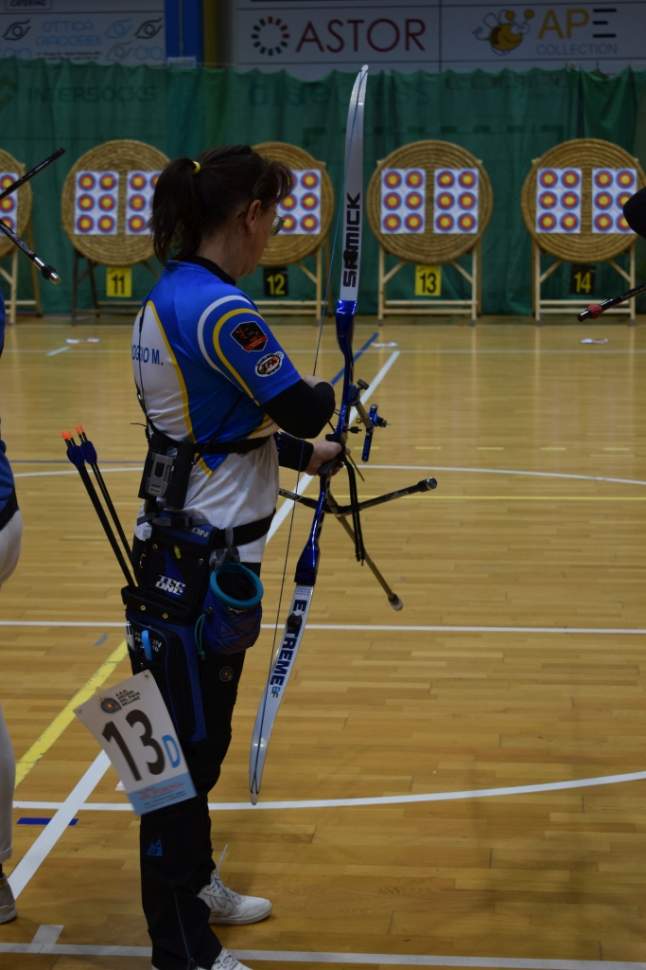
[{"x": 197, "y": 167}]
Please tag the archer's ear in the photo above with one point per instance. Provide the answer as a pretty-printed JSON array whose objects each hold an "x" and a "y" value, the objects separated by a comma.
[{"x": 252, "y": 214}]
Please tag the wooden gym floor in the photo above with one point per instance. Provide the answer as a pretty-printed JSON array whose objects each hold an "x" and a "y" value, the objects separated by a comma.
[{"x": 459, "y": 784}]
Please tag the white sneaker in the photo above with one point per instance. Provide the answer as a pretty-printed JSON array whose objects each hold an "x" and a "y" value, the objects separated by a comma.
[
  {"x": 227, "y": 961},
  {"x": 7, "y": 902},
  {"x": 228, "y": 906}
]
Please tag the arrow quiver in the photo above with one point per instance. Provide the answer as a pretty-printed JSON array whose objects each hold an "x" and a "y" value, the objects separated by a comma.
[
  {"x": 190, "y": 596},
  {"x": 195, "y": 599}
]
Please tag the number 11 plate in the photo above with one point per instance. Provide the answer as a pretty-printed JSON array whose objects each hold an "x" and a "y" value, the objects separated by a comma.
[{"x": 132, "y": 724}]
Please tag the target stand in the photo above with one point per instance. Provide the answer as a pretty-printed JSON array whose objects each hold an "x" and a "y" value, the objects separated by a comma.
[
  {"x": 303, "y": 240},
  {"x": 105, "y": 207},
  {"x": 571, "y": 203},
  {"x": 15, "y": 210},
  {"x": 429, "y": 203}
]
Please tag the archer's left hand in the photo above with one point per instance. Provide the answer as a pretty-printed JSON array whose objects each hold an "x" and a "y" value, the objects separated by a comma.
[{"x": 325, "y": 451}]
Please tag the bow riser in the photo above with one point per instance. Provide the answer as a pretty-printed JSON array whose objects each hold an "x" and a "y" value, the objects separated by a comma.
[
  {"x": 307, "y": 566},
  {"x": 345, "y": 336}
]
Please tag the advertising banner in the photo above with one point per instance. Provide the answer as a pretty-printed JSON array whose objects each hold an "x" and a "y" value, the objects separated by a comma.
[
  {"x": 310, "y": 39},
  {"x": 121, "y": 32}
]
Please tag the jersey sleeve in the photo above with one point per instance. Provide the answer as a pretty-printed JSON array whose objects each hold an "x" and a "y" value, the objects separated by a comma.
[{"x": 235, "y": 340}]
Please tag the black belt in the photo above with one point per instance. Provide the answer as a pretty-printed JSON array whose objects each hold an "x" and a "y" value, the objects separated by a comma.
[
  {"x": 240, "y": 447},
  {"x": 240, "y": 535},
  {"x": 10, "y": 509},
  {"x": 243, "y": 534}
]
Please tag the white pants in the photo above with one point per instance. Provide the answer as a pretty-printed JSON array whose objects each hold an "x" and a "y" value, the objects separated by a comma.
[
  {"x": 10, "y": 537},
  {"x": 7, "y": 780}
]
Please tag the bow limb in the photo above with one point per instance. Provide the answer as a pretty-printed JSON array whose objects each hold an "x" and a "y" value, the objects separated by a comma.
[
  {"x": 353, "y": 202},
  {"x": 308, "y": 562}
]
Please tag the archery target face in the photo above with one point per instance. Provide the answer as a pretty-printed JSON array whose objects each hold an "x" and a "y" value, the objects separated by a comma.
[
  {"x": 139, "y": 196},
  {"x": 301, "y": 209},
  {"x": 558, "y": 200},
  {"x": 611, "y": 187},
  {"x": 455, "y": 200},
  {"x": 96, "y": 203},
  {"x": 403, "y": 201},
  {"x": 9, "y": 205}
]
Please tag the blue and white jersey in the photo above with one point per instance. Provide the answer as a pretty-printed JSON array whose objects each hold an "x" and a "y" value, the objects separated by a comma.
[
  {"x": 205, "y": 362},
  {"x": 6, "y": 478}
]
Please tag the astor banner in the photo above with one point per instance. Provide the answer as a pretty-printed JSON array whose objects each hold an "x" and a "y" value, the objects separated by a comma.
[{"x": 310, "y": 39}]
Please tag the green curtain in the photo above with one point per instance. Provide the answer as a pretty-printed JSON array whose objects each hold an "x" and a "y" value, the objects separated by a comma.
[{"x": 505, "y": 120}]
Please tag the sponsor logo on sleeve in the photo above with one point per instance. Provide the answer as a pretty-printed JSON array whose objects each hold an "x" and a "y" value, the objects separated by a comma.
[
  {"x": 269, "y": 364},
  {"x": 250, "y": 337}
]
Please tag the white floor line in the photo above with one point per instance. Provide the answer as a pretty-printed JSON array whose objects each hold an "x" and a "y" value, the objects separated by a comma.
[
  {"x": 72, "y": 471},
  {"x": 47, "y": 934},
  {"x": 523, "y": 352},
  {"x": 448, "y": 796},
  {"x": 52, "y": 832},
  {"x": 459, "y": 469},
  {"x": 355, "y": 959},
  {"x": 59, "y": 350},
  {"x": 615, "y": 631},
  {"x": 522, "y": 472}
]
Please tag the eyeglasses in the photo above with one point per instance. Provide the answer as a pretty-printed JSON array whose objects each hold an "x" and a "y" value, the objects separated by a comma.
[{"x": 277, "y": 225}]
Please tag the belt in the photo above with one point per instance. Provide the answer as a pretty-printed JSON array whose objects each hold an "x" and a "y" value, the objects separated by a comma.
[
  {"x": 240, "y": 447},
  {"x": 243, "y": 534},
  {"x": 240, "y": 535}
]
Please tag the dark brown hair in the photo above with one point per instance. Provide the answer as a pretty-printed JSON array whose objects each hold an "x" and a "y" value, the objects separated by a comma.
[{"x": 190, "y": 202}]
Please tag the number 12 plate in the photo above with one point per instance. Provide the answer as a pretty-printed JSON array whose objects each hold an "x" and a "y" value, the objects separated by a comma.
[{"x": 133, "y": 726}]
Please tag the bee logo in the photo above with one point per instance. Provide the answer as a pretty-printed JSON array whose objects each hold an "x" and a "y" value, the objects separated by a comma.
[{"x": 503, "y": 31}]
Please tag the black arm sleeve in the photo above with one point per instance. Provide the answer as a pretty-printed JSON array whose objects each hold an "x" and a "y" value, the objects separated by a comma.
[{"x": 301, "y": 410}]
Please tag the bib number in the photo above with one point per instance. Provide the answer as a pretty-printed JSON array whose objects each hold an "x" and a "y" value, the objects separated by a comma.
[{"x": 133, "y": 726}]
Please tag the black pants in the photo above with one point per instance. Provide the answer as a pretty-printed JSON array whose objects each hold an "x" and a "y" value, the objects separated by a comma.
[{"x": 175, "y": 842}]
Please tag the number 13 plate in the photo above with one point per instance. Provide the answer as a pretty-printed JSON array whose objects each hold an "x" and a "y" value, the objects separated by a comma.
[{"x": 133, "y": 726}]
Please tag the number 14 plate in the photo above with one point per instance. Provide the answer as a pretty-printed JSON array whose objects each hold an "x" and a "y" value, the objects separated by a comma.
[{"x": 132, "y": 724}]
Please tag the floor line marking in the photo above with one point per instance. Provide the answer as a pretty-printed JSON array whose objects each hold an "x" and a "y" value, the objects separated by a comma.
[
  {"x": 72, "y": 471},
  {"x": 52, "y": 733},
  {"x": 467, "y": 470},
  {"x": 358, "y": 802},
  {"x": 462, "y": 469},
  {"x": 59, "y": 350},
  {"x": 370, "y": 627},
  {"x": 365, "y": 959},
  {"x": 38, "y": 852},
  {"x": 47, "y": 933}
]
